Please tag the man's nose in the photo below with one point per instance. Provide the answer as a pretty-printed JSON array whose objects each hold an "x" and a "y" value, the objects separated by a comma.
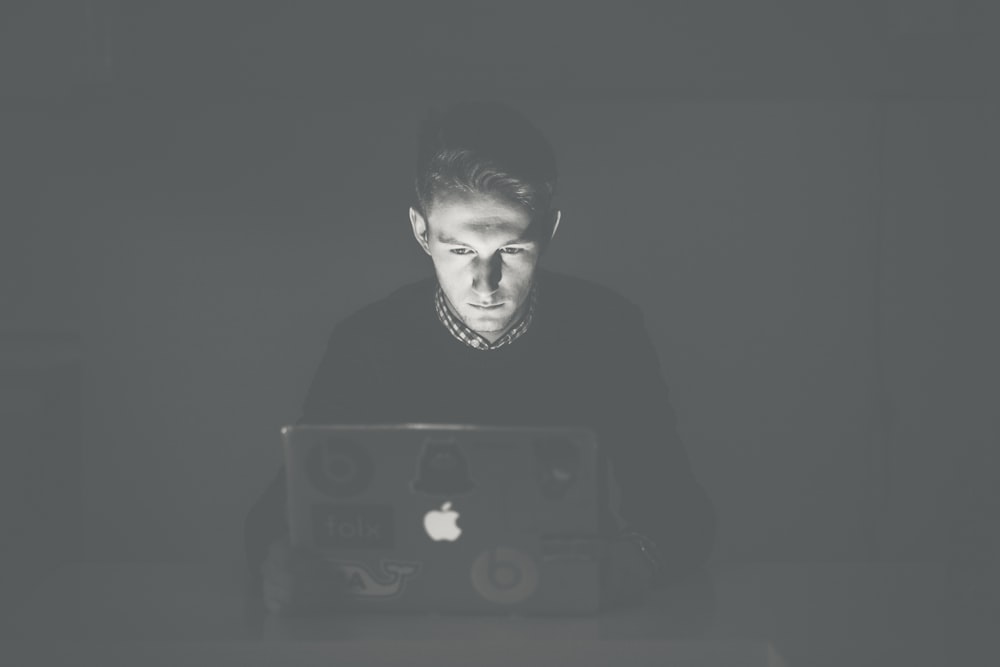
[{"x": 486, "y": 274}]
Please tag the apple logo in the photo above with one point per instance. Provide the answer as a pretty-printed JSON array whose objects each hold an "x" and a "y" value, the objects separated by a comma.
[{"x": 441, "y": 524}]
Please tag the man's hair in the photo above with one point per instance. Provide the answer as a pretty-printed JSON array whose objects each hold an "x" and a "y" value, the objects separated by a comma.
[{"x": 487, "y": 148}]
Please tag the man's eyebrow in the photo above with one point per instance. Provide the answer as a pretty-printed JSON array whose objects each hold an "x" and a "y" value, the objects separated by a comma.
[{"x": 521, "y": 239}]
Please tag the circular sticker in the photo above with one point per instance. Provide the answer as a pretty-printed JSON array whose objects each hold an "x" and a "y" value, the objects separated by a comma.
[
  {"x": 557, "y": 466},
  {"x": 504, "y": 575},
  {"x": 339, "y": 468}
]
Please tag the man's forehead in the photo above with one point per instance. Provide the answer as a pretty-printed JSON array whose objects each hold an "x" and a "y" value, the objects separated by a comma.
[
  {"x": 451, "y": 220},
  {"x": 492, "y": 225},
  {"x": 486, "y": 226}
]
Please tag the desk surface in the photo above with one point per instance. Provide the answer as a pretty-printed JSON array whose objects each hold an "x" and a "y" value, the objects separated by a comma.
[{"x": 752, "y": 614}]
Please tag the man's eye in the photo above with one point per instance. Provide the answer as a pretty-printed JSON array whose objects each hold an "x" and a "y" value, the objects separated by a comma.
[
  {"x": 460, "y": 251},
  {"x": 512, "y": 251}
]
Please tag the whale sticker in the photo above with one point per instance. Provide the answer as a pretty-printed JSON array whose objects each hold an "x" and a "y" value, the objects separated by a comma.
[{"x": 389, "y": 582}]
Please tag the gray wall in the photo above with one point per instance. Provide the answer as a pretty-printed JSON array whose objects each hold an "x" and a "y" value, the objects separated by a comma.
[{"x": 817, "y": 272}]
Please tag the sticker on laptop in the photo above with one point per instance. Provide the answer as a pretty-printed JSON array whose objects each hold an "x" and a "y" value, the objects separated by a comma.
[
  {"x": 353, "y": 526},
  {"x": 339, "y": 467},
  {"x": 443, "y": 470},
  {"x": 557, "y": 466},
  {"x": 504, "y": 575},
  {"x": 389, "y": 582}
]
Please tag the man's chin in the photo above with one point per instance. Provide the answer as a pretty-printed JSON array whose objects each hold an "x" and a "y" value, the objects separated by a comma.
[
  {"x": 486, "y": 324},
  {"x": 491, "y": 327}
]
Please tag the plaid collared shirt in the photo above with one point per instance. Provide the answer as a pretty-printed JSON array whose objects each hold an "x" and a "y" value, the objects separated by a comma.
[{"x": 460, "y": 331}]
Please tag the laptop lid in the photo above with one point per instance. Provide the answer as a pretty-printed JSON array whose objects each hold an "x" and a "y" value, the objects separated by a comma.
[{"x": 451, "y": 518}]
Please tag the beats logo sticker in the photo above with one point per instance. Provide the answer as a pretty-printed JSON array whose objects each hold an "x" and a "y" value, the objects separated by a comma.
[
  {"x": 504, "y": 575},
  {"x": 339, "y": 468}
]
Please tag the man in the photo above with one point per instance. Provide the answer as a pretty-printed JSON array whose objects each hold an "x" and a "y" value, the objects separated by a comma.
[{"x": 495, "y": 339}]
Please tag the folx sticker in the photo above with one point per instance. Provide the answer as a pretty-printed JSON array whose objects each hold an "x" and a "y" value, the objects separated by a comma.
[{"x": 353, "y": 526}]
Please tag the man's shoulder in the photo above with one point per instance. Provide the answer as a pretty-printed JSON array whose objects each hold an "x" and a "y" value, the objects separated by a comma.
[
  {"x": 572, "y": 294},
  {"x": 389, "y": 313}
]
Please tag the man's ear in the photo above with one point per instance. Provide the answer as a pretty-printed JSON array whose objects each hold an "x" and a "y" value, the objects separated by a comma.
[
  {"x": 555, "y": 223},
  {"x": 419, "y": 225}
]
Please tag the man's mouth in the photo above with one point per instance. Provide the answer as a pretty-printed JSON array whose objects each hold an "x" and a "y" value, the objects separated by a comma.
[{"x": 489, "y": 307}]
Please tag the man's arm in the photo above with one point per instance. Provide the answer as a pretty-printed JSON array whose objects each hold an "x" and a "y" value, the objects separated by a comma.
[
  {"x": 265, "y": 523},
  {"x": 334, "y": 396},
  {"x": 660, "y": 497}
]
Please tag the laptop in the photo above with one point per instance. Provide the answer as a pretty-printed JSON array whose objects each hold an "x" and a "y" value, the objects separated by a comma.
[{"x": 451, "y": 518}]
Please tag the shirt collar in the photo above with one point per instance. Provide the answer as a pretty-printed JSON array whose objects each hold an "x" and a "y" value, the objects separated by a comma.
[{"x": 463, "y": 333}]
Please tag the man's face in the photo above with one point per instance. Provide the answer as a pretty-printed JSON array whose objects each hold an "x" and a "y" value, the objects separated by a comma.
[{"x": 485, "y": 252}]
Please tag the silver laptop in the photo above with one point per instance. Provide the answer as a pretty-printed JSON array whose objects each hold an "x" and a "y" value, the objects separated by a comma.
[{"x": 452, "y": 518}]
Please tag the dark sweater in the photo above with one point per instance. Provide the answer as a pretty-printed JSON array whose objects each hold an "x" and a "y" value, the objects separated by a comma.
[{"x": 586, "y": 360}]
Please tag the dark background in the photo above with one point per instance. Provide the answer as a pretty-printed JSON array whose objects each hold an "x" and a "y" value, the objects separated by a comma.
[{"x": 801, "y": 196}]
